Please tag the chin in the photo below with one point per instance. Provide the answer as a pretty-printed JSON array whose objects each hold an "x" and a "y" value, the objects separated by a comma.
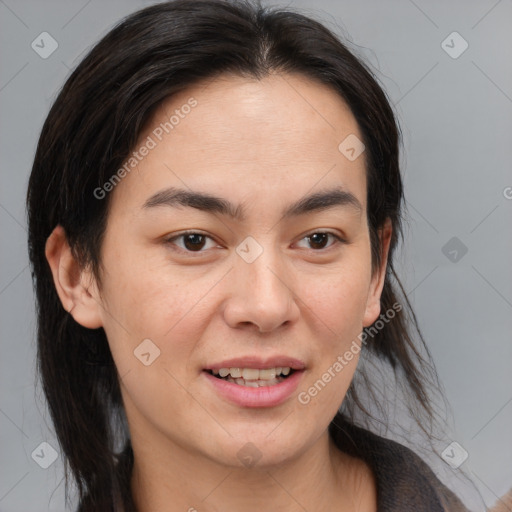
[{"x": 258, "y": 450}]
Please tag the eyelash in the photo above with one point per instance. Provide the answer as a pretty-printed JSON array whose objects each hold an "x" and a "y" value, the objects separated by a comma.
[{"x": 170, "y": 241}]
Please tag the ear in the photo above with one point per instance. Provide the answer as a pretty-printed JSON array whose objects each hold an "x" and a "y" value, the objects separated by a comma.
[
  {"x": 377, "y": 283},
  {"x": 76, "y": 287}
]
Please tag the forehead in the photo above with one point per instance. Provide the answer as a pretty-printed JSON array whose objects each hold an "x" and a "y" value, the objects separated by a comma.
[
  {"x": 242, "y": 134},
  {"x": 278, "y": 109}
]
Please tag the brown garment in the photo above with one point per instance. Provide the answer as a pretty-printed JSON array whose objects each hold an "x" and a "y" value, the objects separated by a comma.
[{"x": 405, "y": 483}]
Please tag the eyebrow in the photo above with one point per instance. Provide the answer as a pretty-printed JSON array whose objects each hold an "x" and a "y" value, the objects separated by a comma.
[{"x": 318, "y": 201}]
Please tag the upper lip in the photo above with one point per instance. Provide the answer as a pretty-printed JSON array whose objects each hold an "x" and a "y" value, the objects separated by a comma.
[{"x": 259, "y": 362}]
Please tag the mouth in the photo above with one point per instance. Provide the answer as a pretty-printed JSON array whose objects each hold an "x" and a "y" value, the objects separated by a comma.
[
  {"x": 253, "y": 377},
  {"x": 261, "y": 386}
]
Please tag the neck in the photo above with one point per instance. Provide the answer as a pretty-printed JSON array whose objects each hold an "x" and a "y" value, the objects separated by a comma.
[{"x": 176, "y": 480}]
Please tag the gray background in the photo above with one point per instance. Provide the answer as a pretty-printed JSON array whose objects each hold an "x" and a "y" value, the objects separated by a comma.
[{"x": 456, "y": 115}]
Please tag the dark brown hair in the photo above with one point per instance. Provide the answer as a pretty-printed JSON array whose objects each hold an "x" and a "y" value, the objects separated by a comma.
[{"x": 91, "y": 129}]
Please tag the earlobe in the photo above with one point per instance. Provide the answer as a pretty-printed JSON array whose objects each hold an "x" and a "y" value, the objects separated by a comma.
[
  {"x": 76, "y": 287},
  {"x": 377, "y": 283}
]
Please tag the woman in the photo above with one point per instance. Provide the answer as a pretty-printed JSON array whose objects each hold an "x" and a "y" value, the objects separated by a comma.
[{"x": 214, "y": 207}]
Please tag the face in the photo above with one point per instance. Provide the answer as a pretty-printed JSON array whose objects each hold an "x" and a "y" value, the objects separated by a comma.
[{"x": 263, "y": 278}]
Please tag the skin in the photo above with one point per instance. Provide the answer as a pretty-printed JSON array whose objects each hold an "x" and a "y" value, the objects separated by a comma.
[{"x": 264, "y": 144}]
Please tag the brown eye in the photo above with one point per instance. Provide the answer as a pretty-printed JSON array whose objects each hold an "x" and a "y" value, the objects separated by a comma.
[
  {"x": 194, "y": 241},
  {"x": 319, "y": 240},
  {"x": 190, "y": 242}
]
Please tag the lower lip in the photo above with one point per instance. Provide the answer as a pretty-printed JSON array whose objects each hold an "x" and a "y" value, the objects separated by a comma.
[{"x": 265, "y": 396}]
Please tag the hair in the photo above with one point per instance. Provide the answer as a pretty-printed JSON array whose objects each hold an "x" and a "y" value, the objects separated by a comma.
[{"x": 94, "y": 124}]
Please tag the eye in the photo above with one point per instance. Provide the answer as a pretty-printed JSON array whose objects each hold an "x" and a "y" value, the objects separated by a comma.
[
  {"x": 192, "y": 241},
  {"x": 195, "y": 242},
  {"x": 318, "y": 239}
]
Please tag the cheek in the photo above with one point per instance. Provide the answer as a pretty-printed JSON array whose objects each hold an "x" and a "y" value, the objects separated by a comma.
[
  {"x": 338, "y": 298},
  {"x": 337, "y": 304},
  {"x": 153, "y": 325},
  {"x": 150, "y": 302}
]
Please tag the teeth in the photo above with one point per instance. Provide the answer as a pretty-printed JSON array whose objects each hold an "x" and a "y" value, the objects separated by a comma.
[
  {"x": 255, "y": 383},
  {"x": 252, "y": 374},
  {"x": 236, "y": 373},
  {"x": 270, "y": 373}
]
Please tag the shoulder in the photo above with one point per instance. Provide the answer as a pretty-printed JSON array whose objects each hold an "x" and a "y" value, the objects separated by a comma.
[{"x": 403, "y": 480}]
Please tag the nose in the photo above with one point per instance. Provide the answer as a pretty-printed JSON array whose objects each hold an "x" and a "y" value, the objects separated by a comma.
[{"x": 262, "y": 295}]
